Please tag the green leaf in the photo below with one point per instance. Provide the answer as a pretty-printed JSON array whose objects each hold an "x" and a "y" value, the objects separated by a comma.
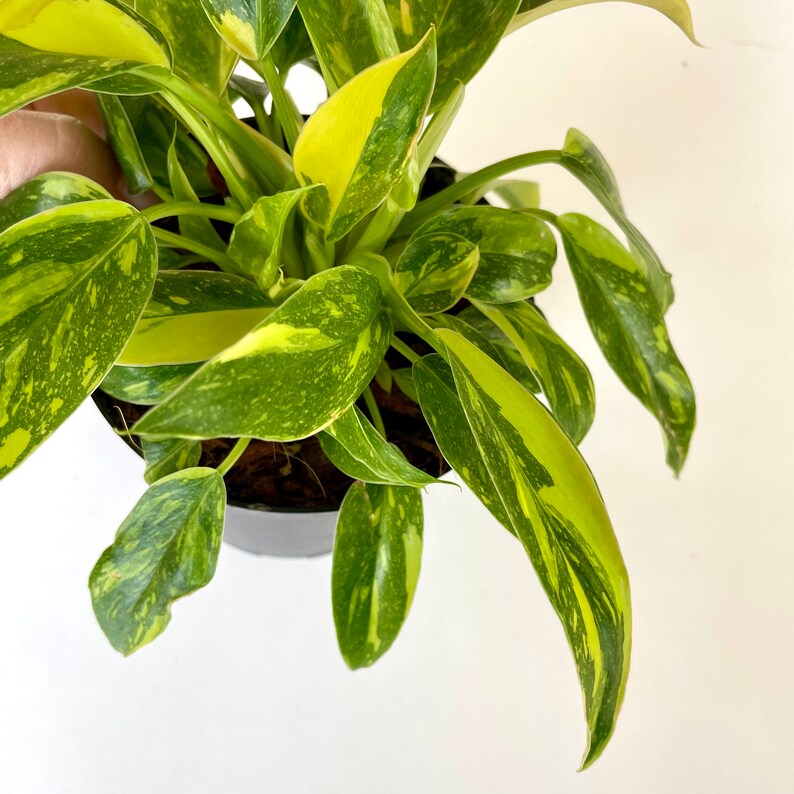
[
  {"x": 375, "y": 569},
  {"x": 468, "y": 32},
  {"x": 166, "y": 548},
  {"x": 54, "y": 189},
  {"x": 557, "y": 512},
  {"x": 517, "y": 251},
  {"x": 168, "y": 455},
  {"x": 435, "y": 270},
  {"x": 355, "y": 447},
  {"x": 192, "y": 316},
  {"x": 441, "y": 406},
  {"x": 294, "y": 374},
  {"x": 146, "y": 385},
  {"x": 630, "y": 329},
  {"x": 562, "y": 375},
  {"x": 359, "y": 143},
  {"x": 258, "y": 237},
  {"x": 122, "y": 139},
  {"x": 676, "y": 11},
  {"x": 517, "y": 194},
  {"x": 73, "y": 282},
  {"x": 293, "y": 45},
  {"x": 404, "y": 380},
  {"x": 250, "y": 27},
  {"x": 200, "y": 55}
]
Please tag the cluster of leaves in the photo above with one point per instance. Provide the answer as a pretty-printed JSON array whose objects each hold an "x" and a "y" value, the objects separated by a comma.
[{"x": 319, "y": 254}]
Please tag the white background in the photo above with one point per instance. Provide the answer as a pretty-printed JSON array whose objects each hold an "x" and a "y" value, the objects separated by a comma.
[{"x": 246, "y": 691}]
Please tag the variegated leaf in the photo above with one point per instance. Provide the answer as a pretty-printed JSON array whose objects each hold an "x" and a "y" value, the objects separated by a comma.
[
  {"x": 355, "y": 447},
  {"x": 375, "y": 569},
  {"x": 555, "y": 507},
  {"x": 294, "y": 374},
  {"x": 146, "y": 385},
  {"x": 629, "y": 327},
  {"x": 54, "y": 189},
  {"x": 435, "y": 270},
  {"x": 562, "y": 375},
  {"x": 192, "y": 316},
  {"x": 517, "y": 251},
  {"x": 121, "y": 137},
  {"x": 168, "y": 455},
  {"x": 166, "y": 548},
  {"x": 73, "y": 282},
  {"x": 358, "y": 144}
]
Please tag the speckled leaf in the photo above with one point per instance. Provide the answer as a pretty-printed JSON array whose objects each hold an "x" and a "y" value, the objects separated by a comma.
[
  {"x": 517, "y": 251},
  {"x": 435, "y": 270},
  {"x": 258, "y": 237},
  {"x": 54, "y": 189},
  {"x": 581, "y": 157},
  {"x": 630, "y": 329},
  {"x": 200, "y": 55},
  {"x": 168, "y": 455},
  {"x": 562, "y": 375},
  {"x": 557, "y": 512},
  {"x": 166, "y": 548},
  {"x": 73, "y": 282},
  {"x": 121, "y": 137},
  {"x": 355, "y": 447},
  {"x": 468, "y": 32},
  {"x": 358, "y": 144},
  {"x": 146, "y": 385},
  {"x": 294, "y": 374},
  {"x": 676, "y": 11},
  {"x": 250, "y": 27},
  {"x": 192, "y": 316},
  {"x": 375, "y": 569}
]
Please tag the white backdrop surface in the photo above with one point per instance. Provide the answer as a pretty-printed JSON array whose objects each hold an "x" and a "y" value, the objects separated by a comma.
[{"x": 246, "y": 691}]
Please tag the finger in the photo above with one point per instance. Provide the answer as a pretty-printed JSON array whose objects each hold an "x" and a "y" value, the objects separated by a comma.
[{"x": 75, "y": 102}]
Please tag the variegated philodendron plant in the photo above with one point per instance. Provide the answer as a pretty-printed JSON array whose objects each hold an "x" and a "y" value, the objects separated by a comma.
[{"x": 328, "y": 255}]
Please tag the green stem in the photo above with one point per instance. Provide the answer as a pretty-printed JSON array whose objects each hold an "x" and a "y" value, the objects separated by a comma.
[
  {"x": 212, "y": 211},
  {"x": 404, "y": 350},
  {"x": 233, "y": 456},
  {"x": 288, "y": 116},
  {"x": 429, "y": 207},
  {"x": 178, "y": 241},
  {"x": 374, "y": 411}
]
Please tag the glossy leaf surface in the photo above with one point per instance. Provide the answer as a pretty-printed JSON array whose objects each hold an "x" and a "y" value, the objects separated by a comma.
[
  {"x": 630, "y": 329},
  {"x": 250, "y": 27},
  {"x": 294, "y": 374},
  {"x": 166, "y": 548},
  {"x": 517, "y": 251},
  {"x": 355, "y": 447},
  {"x": 377, "y": 557},
  {"x": 435, "y": 270},
  {"x": 358, "y": 144},
  {"x": 557, "y": 512},
  {"x": 168, "y": 455},
  {"x": 562, "y": 375},
  {"x": 146, "y": 385},
  {"x": 73, "y": 282},
  {"x": 121, "y": 137}
]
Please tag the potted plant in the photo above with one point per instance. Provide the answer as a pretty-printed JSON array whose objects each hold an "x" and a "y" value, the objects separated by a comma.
[{"x": 323, "y": 282}]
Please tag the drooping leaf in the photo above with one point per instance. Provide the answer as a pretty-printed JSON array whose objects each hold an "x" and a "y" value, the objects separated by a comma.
[
  {"x": 435, "y": 270},
  {"x": 629, "y": 327},
  {"x": 517, "y": 251},
  {"x": 168, "y": 455},
  {"x": 562, "y": 375},
  {"x": 676, "y": 11},
  {"x": 557, "y": 512},
  {"x": 516, "y": 193},
  {"x": 73, "y": 282},
  {"x": 258, "y": 237},
  {"x": 121, "y": 137},
  {"x": 376, "y": 562},
  {"x": 54, "y": 189},
  {"x": 192, "y": 316},
  {"x": 468, "y": 32},
  {"x": 355, "y": 447},
  {"x": 146, "y": 385},
  {"x": 166, "y": 548},
  {"x": 250, "y": 27},
  {"x": 441, "y": 406},
  {"x": 357, "y": 145},
  {"x": 294, "y": 374}
]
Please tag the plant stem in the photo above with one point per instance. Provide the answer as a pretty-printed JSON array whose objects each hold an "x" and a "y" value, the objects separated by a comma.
[
  {"x": 381, "y": 29},
  {"x": 288, "y": 116},
  {"x": 374, "y": 411},
  {"x": 172, "y": 240},
  {"x": 403, "y": 349},
  {"x": 160, "y": 211},
  {"x": 233, "y": 456}
]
